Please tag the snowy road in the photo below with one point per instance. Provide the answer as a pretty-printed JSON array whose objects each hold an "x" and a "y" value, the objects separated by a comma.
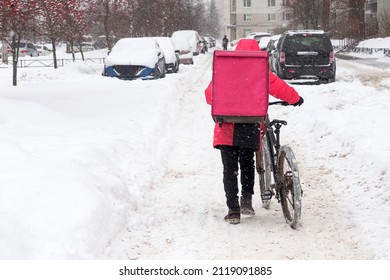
[
  {"x": 186, "y": 204},
  {"x": 99, "y": 168}
]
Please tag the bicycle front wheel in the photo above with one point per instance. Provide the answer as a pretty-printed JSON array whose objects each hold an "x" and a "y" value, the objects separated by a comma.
[
  {"x": 290, "y": 190},
  {"x": 263, "y": 167}
]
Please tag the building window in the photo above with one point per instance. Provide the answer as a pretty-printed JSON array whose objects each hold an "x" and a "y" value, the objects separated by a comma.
[
  {"x": 234, "y": 6},
  {"x": 271, "y": 3},
  {"x": 247, "y": 3},
  {"x": 286, "y": 3},
  {"x": 271, "y": 17},
  {"x": 247, "y": 17}
]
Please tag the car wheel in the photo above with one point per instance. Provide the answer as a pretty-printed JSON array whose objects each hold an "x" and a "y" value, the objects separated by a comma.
[
  {"x": 176, "y": 69},
  {"x": 279, "y": 73},
  {"x": 157, "y": 73},
  {"x": 163, "y": 72}
]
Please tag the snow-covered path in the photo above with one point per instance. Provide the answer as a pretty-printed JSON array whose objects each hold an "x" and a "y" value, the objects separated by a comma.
[
  {"x": 186, "y": 203},
  {"x": 99, "y": 168}
]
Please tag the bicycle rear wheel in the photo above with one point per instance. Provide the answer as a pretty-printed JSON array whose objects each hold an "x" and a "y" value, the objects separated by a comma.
[
  {"x": 263, "y": 167},
  {"x": 290, "y": 190}
]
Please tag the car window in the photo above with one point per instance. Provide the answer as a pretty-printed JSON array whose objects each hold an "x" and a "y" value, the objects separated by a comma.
[{"x": 305, "y": 43}]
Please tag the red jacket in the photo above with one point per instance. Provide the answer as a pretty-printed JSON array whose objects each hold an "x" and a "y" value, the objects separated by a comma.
[{"x": 248, "y": 135}]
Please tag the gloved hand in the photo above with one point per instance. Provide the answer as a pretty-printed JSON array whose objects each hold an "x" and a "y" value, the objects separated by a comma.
[{"x": 299, "y": 103}]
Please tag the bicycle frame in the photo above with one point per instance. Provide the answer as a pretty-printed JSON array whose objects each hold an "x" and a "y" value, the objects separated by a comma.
[
  {"x": 273, "y": 138},
  {"x": 278, "y": 171}
]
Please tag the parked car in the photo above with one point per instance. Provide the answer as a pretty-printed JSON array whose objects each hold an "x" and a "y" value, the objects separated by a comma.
[
  {"x": 43, "y": 50},
  {"x": 203, "y": 45},
  {"x": 192, "y": 37},
  {"x": 172, "y": 59},
  {"x": 305, "y": 54},
  {"x": 233, "y": 44},
  {"x": 133, "y": 58},
  {"x": 263, "y": 42},
  {"x": 271, "y": 47},
  {"x": 258, "y": 35},
  {"x": 85, "y": 46},
  {"x": 185, "y": 51},
  {"x": 27, "y": 49},
  {"x": 8, "y": 50},
  {"x": 209, "y": 42}
]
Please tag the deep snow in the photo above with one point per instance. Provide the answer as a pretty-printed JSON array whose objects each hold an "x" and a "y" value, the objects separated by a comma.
[{"x": 98, "y": 168}]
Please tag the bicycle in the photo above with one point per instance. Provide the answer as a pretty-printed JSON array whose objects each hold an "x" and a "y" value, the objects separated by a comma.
[{"x": 278, "y": 171}]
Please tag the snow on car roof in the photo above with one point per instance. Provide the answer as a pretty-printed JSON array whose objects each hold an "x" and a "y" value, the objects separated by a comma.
[
  {"x": 168, "y": 48},
  {"x": 312, "y": 31},
  {"x": 139, "y": 43},
  {"x": 259, "y": 33},
  {"x": 134, "y": 51}
]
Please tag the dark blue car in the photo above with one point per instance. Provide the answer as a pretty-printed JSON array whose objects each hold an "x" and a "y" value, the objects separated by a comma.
[{"x": 133, "y": 58}]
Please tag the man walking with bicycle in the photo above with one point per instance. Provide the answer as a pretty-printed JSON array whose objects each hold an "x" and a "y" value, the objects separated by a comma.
[{"x": 238, "y": 143}]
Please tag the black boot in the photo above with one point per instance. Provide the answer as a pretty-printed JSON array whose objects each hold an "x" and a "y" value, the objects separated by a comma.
[
  {"x": 246, "y": 206},
  {"x": 233, "y": 216}
]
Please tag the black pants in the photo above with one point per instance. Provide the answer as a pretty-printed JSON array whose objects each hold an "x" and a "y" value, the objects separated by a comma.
[{"x": 232, "y": 158}]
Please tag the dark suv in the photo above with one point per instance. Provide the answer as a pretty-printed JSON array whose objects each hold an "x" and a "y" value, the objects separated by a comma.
[{"x": 304, "y": 54}]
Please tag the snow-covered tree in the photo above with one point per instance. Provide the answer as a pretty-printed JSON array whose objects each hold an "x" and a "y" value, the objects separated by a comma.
[
  {"x": 17, "y": 20},
  {"x": 51, "y": 22},
  {"x": 75, "y": 23}
]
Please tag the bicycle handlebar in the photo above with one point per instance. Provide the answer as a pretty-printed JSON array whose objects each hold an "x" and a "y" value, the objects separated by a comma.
[{"x": 283, "y": 103}]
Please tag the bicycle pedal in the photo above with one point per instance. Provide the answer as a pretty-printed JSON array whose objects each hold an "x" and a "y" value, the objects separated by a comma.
[{"x": 267, "y": 195}]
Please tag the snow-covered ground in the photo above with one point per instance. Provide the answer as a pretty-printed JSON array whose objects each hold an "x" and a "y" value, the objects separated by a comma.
[{"x": 99, "y": 168}]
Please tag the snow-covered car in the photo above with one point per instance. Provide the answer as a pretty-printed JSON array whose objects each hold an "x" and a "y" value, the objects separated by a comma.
[
  {"x": 192, "y": 37},
  {"x": 263, "y": 42},
  {"x": 185, "y": 51},
  {"x": 133, "y": 58},
  {"x": 172, "y": 59}
]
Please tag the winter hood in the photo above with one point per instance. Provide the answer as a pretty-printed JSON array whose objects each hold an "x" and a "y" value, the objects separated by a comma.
[{"x": 247, "y": 45}]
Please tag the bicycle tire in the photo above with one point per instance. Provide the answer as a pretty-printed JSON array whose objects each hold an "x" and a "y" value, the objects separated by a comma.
[
  {"x": 290, "y": 190},
  {"x": 263, "y": 167}
]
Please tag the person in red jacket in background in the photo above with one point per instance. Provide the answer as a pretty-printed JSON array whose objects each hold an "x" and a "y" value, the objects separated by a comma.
[{"x": 238, "y": 143}]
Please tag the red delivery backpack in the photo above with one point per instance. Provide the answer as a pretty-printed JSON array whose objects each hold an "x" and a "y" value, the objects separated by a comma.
[{"x": 240, "y": 86}]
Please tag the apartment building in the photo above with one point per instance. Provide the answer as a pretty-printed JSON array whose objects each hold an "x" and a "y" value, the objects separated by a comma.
[
  {"x": 238, "y": 18},
  {"x": 343, "y": 18},
  {"x": 383, "y": 15}
]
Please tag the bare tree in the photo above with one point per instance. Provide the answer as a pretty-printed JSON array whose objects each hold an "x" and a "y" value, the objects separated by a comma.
[
  {"x": 52, "y": 22},
  {"x": 213, "y": 20},
  {"x": 356, "y": 18},
  {"x": 307, "y": 13},
  {"x": 75, "y": 24},
  {"x": 17, "y": 19}
]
